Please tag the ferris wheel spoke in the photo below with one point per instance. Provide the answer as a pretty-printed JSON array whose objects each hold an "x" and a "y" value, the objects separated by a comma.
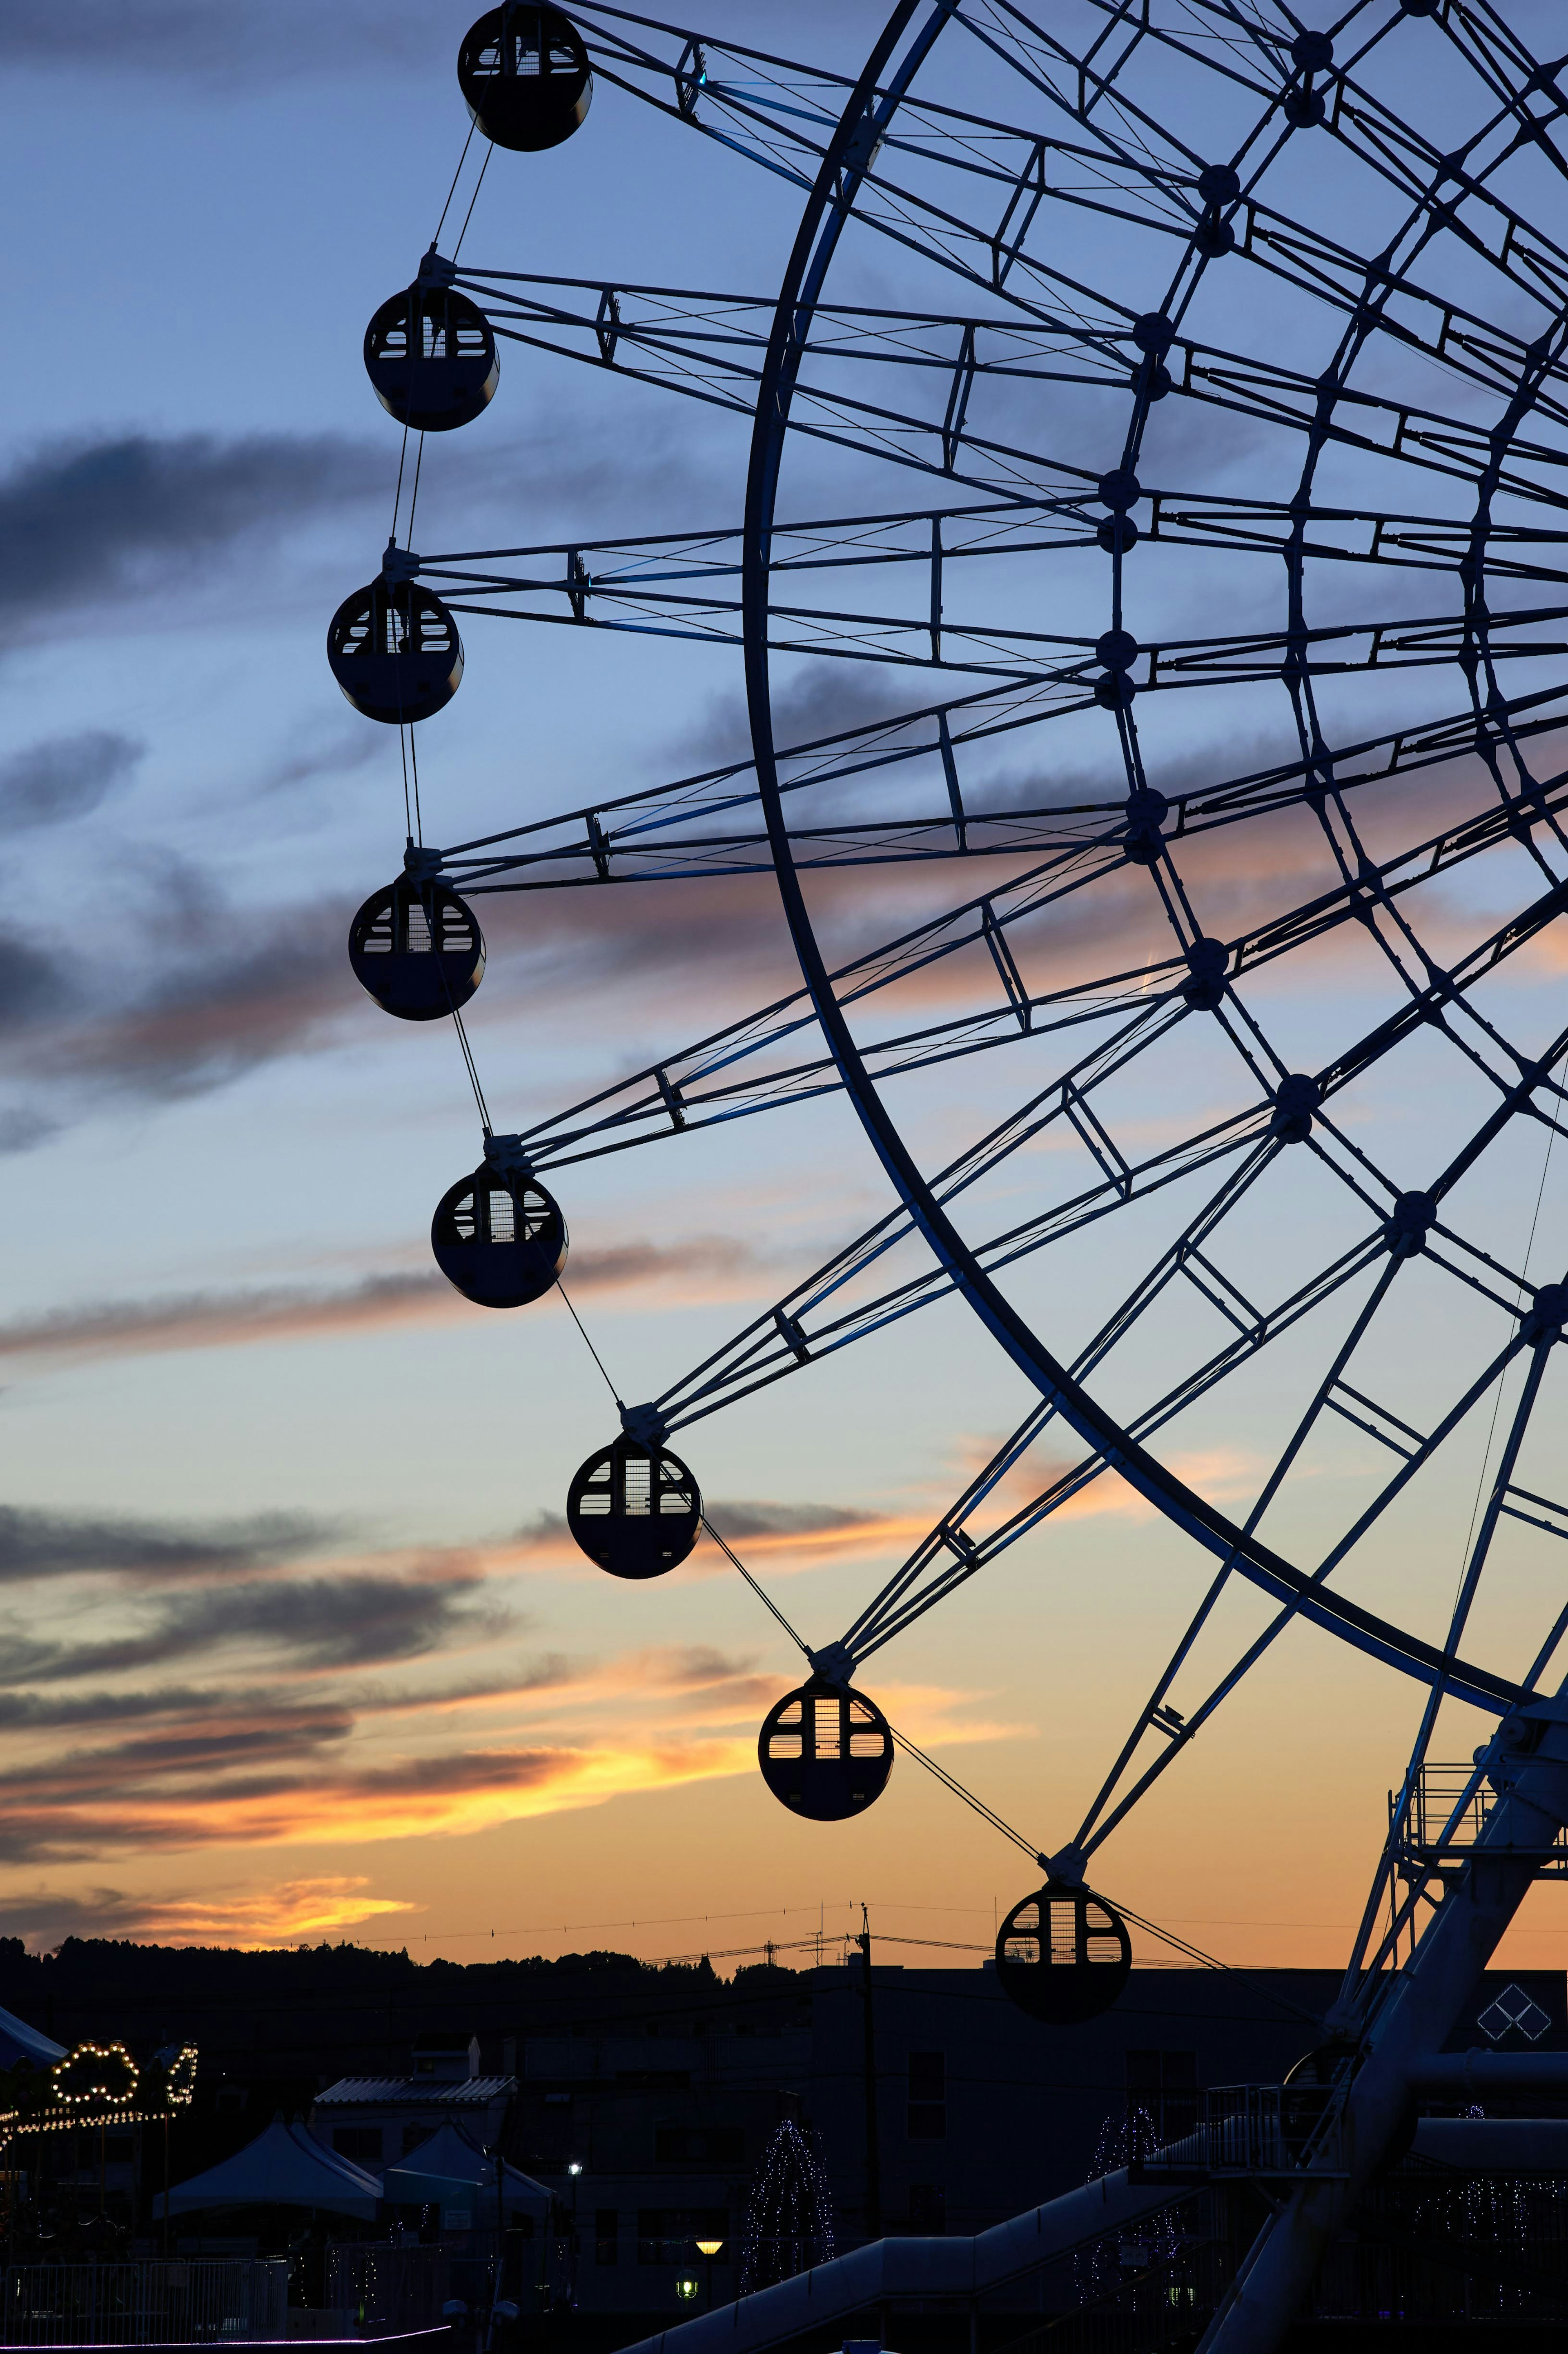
[
  {"x": 698, "y": 1085},
  {"x": 1446, "y": 1674},
  {"x": 1518, "y": 81},
  {"x": 688, "y": 1092},
  {"x": 627, "y": 838},
  {"x": 1460, "y": 339},
  {"x": 655, "y": 588},
  {"x": 769, "y": 110},
  {"x": 780, "y": 1342},
  {"x": 1463, "y": 341},
  {"x": 1534, "y": 263},
  {"x": 709, "y": 346},
  {"x": 1381, "y": 909},
  {"x": 606, "y": 836},
  {"x": 952, "y": 1552},
  {"x": 707, "y": 357}
]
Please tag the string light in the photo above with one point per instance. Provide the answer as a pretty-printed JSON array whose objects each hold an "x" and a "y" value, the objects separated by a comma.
[
  {"x": 97, "y": 2104},
  {"x": 86, "y": 2053}
]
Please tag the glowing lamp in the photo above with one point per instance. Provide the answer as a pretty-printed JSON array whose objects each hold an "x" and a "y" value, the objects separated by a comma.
[{"x": 687, "y": 2286}]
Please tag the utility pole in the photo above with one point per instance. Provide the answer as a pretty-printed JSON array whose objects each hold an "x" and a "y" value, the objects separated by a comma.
[{"x": 873, "y": 2149}]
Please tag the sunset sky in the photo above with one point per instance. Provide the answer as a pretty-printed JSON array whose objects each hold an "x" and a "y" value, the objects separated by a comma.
[{"x": 295, "y": 1643}]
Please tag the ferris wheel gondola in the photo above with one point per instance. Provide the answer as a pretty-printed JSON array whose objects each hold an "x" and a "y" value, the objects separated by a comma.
[
  {"x": 430, "y": 354},
  {"x": 394, "y": 649},
  {"x": 415, "y": 948},
  {"x": 524, "y": 72},
  {"x": 498, "y": 1236}
]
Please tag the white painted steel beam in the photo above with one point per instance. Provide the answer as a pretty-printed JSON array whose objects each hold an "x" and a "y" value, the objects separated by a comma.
[
  {"x": 1415, "y": 2020},
  {"x": 946, "y": 2268}
]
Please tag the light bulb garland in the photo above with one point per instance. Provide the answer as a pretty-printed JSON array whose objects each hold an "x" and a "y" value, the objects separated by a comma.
[{"x": 97, "y": 2085}]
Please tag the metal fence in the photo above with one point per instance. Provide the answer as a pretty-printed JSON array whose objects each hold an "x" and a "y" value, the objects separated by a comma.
[
  {"x": 203, "y": 2301},
  {"x": 382, "y": 2289}
]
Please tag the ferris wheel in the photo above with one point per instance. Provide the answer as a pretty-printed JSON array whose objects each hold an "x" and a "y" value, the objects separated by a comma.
[{"x": 1192, "y": 526}]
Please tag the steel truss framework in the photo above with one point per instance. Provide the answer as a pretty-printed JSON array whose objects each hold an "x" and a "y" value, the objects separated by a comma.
[{"x": 1182, "y": 277}]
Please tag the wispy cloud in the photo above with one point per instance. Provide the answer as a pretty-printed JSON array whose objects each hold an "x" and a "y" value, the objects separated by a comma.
[
  {"x": 340, "y": 1621},
  {"x": 705, "y": 1266},
  {"x": 287, "y": 40},
  {"x": 53, "y": 1544},
  {"x": 87, "y": 522},
  {"x": 247, "y": 1915},
  {"x": 411, "y": 1797},
  {"x": 787, "y": 1536},
  {"x": 63, "y": 777}
]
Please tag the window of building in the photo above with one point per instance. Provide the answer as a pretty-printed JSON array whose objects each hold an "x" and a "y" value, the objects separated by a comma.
[
  {"x": 1162, "y": 2090},
  {"x": 928, "y": 2209},
  {"x": 928, "y": 2119},
  {"x": 360, "y": 2143},
  {"x": 669, "y": 2235},
  {"x": 606, "y": 2236}
]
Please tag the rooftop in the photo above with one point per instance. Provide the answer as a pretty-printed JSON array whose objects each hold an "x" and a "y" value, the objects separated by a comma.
[{"x": 379, "y": 2091}]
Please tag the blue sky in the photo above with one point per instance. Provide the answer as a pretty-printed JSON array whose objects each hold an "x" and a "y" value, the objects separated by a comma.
[{"x": 296, "y": 1645}]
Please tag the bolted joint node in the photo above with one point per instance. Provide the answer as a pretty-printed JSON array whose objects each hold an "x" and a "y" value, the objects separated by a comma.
[
  {"x": 1409, "y": 1222},
  {"x": 1153, "y": 336},
  {"x": 1296, "y": 1099},
  {"x": 1302, "y": 106},
  {"x": 435, "y": 269},
  {"x": 423, "y": 863},
  {"x": 1545, "y": 1316},
  {"x": 1117, "y": 534},
  {"x": 507, "y": 1154},
  {"x": 1066, "y": 1865},
  {"x": 646, "y": 1425},
  {"x": 398, "y": 563},
  {"x": 834, "y": 1663},
  {"x": 1115, "y": 650},
  {"x": 1146, "y": 812},
  {"x": 1208, "y": 962},
  {"x": 1218, "y": 185}
]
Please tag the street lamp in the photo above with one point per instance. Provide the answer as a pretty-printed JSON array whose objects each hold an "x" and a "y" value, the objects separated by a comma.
[
  {"x": 687, "y": 2286},
  {"x": 710, "y": 2249},
  {"x": 574, "y": 2168}
]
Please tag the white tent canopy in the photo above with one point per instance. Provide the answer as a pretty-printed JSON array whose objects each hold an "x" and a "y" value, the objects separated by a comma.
[
  {"x": 450, "y": 2171},
  {"x": 20, "y": 2041},
  {"x": 281, "y": 2168}
]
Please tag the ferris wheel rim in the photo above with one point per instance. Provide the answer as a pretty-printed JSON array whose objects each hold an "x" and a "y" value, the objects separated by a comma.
[{"x": 823, "y": 219}]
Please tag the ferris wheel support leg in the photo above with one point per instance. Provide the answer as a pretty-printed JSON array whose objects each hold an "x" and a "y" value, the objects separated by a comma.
[{"x": 1415, "y": 2020}]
